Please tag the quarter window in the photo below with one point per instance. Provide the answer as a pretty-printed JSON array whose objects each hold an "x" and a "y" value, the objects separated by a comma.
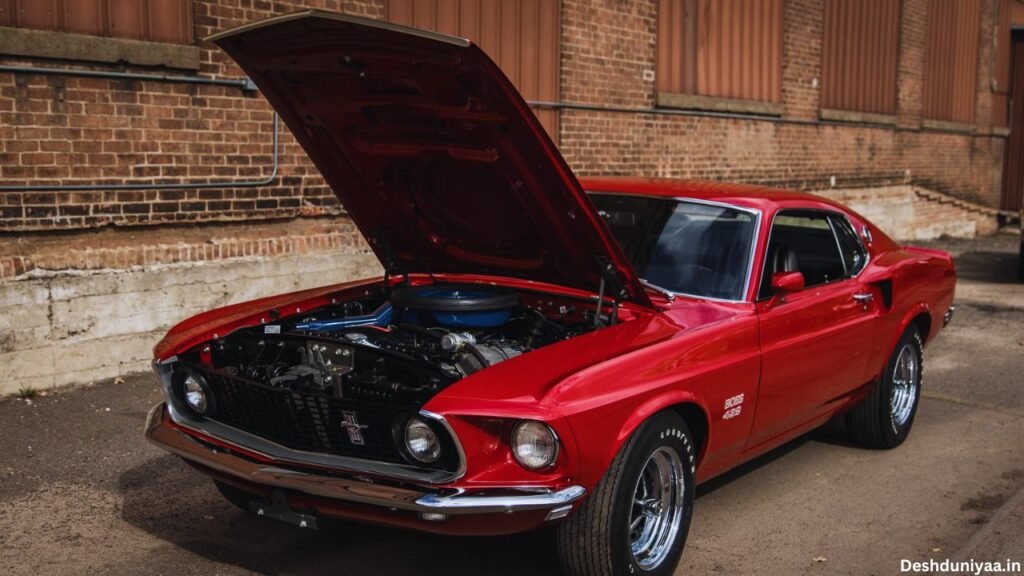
[{"x": 850, "y": 248}]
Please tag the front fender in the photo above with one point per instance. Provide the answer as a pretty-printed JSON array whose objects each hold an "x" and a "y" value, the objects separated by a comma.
[{"x": 657, "y": 404}]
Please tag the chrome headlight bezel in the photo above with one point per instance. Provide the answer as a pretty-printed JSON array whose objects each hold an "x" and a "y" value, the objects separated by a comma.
[
  {"x": 427, "y": 447},
  {"x": 186, "y": 383},
  {"x": 524, "y": 438}
]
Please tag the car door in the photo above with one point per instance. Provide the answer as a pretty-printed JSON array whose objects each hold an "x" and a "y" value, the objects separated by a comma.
[{"x": 815, "y": 343}]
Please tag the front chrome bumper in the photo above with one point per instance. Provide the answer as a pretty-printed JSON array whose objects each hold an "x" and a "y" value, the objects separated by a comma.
[
  {"x": 448, "y": 502},
  {"x": 948, "y": 316}
]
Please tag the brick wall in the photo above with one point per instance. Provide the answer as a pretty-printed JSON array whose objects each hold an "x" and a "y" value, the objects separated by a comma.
[
  {"x": 609, "y": 43},
  {"x": 63, "y": 129},
  {"x": 73, "y": 130}
]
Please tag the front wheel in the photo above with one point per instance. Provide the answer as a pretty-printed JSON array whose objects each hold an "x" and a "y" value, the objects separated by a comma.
[
  {"x": 637, "y": 519},
  {"x": 884, "y": 418}
]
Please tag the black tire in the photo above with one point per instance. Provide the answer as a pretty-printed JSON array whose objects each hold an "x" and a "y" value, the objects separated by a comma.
[
  {"x": 235, "y": 495},
  {"x": 872, "y": 422},
  {"x": 595, "y": 540}
]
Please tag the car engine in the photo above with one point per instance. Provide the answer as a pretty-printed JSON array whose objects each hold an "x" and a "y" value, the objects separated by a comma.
[{"x": 400, "y": 348}]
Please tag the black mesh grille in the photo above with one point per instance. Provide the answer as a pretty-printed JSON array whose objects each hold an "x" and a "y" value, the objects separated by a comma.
[{"x": 305, "y": 420}]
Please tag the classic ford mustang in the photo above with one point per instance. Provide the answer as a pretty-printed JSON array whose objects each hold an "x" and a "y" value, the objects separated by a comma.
[{"x": 541, "y": 350}]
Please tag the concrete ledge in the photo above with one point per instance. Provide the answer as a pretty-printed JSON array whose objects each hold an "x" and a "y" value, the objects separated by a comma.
[
  {"x": 947, "y": 126},
  {"x": 857, "y": 117},
  {"x": 68, "y": 46},
  {"x": 715, "y": 104}
]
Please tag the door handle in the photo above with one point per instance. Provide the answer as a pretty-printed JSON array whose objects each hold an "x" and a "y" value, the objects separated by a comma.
[{"x": 864, "y": 298}]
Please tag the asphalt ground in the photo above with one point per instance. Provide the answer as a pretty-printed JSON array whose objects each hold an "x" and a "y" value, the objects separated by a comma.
[{"x": 81, "y": 492}]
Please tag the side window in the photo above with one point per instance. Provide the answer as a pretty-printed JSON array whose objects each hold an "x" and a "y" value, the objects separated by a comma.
[
  {"x": 855, "y": 257},
  {"x": 804, "y": 240}
]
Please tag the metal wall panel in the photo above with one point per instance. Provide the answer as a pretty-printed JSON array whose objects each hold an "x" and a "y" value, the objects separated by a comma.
[
  {"x": 156, "y": 20},
  {"x": 84, "y": 16},
  {"x": 860, "y": 55},
  {"x": 6, "y": 12},
  {"x": 1010, "y": 15},
  {"x": 125, "y": 19},
  {"x": 43, "y": 14},
  {"x": 169, "y": 20},
  {"x": 1001, "y": 73},
  {"x": 951, "y": 60},
  {"x": 522, "y": 36},
  {"x": 1013, "y": 162},
  {"x": 721, "y": 48}
]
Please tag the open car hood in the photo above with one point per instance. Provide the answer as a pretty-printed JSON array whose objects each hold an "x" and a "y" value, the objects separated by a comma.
[{"x": 433, "y": 152}]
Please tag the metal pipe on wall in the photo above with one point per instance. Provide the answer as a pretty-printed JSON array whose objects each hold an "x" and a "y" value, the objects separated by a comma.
[
  {"x": 244, "y": 84},
  {"x": 740, "y": 116}
]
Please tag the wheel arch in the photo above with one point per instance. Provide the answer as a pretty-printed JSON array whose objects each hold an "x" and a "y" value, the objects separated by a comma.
[
  {"x": 686, "y": 405},
  {"x": 919, "y": 315},
  {"x": 923, "y": 321}
]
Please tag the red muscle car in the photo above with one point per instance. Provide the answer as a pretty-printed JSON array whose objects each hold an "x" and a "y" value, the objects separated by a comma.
[{"x": 541, "y": 350}]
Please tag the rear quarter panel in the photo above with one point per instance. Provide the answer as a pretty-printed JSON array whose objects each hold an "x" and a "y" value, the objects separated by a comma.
[{"x": 923, "y": 283}]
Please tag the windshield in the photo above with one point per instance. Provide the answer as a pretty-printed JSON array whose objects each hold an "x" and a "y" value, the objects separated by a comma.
[{"x": 684, "y": 246}]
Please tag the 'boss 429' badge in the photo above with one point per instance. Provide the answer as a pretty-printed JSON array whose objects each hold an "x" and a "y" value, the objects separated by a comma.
[{"x": 733, "y": 407}]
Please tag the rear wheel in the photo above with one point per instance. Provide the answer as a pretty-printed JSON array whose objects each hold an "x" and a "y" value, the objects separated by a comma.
[
  {"x": 884, "y": 418},
  {"x": 637, "y": 519}
]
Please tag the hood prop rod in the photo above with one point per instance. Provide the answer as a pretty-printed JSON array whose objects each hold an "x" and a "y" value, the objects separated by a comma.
[{"x": 607, "y": 278}]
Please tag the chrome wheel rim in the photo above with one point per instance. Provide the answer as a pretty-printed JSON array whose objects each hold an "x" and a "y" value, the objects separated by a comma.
[
  {"x": 657, "y": 510},
  {"x": 906, "y": 377}
]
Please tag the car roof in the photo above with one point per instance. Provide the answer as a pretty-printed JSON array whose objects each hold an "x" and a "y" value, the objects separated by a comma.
[{"x": 746, "y": 195}]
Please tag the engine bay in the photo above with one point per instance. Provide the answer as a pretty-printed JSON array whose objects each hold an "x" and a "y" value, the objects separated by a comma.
[{"x": 400, "y": 346}]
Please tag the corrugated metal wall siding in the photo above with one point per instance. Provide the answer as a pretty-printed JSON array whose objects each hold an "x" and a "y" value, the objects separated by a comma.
[
  {"x": 1013, "y": 162},
  {"x": 721, "y": 48},
  {"x": 522, "y": 36},
  {"x": 1001, "y": 72},
  {"x": 156, "y": 20},
  {"x": 860, "y": 55},
  {"x": 951, "y": 60}
]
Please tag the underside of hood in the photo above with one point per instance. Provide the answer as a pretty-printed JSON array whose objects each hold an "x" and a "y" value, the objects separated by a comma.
[{"x": 431, "y": 150}]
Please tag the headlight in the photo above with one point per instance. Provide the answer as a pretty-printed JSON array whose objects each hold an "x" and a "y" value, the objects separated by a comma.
[
  {"x": 421, "y": 441},
  {"x": 534, "y": 445},
  {"x": 195, "y": 393}
]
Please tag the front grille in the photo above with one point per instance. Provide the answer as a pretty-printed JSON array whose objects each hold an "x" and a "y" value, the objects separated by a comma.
[{"x": 304, "y": 420}]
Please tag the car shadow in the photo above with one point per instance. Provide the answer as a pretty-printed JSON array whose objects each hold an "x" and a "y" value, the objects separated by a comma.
[
  {"x": 172, "y": 502},
  {"x": 833, "y": 433}
]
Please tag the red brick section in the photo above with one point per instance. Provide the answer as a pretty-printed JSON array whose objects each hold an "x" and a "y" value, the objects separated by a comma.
[
  {"x": 124, "y": 249},
  {"x": 63, "y": 129},
  {"x": 56, "y": 129}
]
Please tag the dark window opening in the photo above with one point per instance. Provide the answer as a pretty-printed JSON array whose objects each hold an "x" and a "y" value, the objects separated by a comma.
[
  {"x": 825, "y": 246},
  {"x": 684, "y": 246}
]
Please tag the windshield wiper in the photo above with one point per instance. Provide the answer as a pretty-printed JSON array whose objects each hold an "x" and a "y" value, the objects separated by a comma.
[{"x": 668, "y": 294}]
